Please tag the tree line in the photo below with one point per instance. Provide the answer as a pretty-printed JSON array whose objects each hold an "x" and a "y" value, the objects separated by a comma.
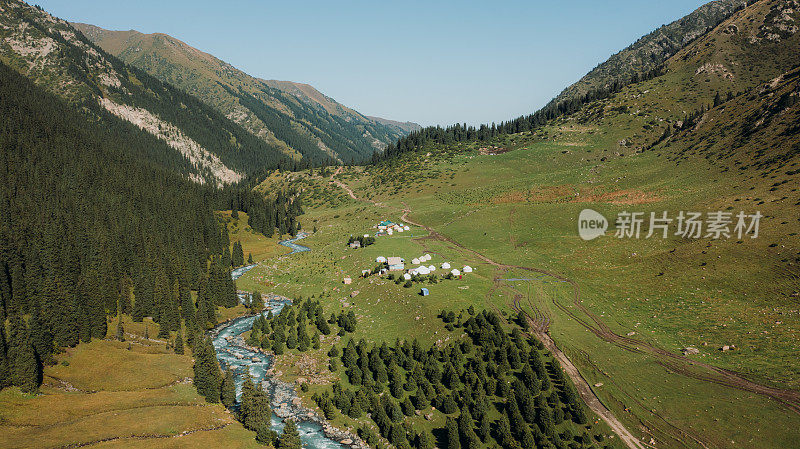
[
  {"x": 93, "y": 225},
  {"x": 298, "y": 326},
  {"x": 495, "y": 388},
  {"x": 464, "y": 133}
]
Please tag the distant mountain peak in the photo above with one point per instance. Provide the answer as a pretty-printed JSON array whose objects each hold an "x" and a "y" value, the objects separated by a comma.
[{"x": 295, "y": 117}]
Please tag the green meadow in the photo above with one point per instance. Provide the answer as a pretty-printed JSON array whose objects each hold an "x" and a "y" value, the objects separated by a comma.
[{"x": 520, "y": 208}]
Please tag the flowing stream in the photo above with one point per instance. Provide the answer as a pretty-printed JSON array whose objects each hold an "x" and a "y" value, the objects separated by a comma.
[{"x": 233, "y": 354}]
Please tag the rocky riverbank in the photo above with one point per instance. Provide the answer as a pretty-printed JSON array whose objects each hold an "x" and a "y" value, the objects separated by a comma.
[{"x": 285, "y": 402}]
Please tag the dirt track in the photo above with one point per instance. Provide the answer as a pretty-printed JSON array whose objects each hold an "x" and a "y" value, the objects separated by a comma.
[{"x": 674, "y": 362}]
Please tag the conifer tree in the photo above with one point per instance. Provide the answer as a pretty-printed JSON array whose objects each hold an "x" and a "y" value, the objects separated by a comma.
[
  {"x": 42, "y": 338},
  {"x": 259, "y": 412},
  {"x": 207, "y": 375},
  {"x": 5, "y": 374},
  {"x": 228, "y": 390},
  {"x": 237, "y": 258},
  {"x": 290, "y": 438},
  {"x": 424, "y": 440},
  {"x": 484, "y": 427},
  {"x": 264, "y": 434},
  {"x": 25, "y": 370},
  {"x": 163, "y": 330},
  {"x": 120, "y": 335},
  {"x": 453, "y": 439},
  {"x": 178, "y": 345}
]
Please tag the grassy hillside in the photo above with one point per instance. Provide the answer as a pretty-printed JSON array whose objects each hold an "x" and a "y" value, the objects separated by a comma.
[
  {"x": 107, "y": 393},
  {"x": 296, "y": 117}
]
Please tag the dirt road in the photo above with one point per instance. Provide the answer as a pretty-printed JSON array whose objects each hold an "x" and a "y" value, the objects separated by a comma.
[{"x": 674, "y": 362}]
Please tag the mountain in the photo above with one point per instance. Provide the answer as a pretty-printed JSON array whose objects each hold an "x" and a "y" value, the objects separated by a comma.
[
  {"x": 293, "y": 116},
  {"x": 209, "y": 147},
  {"x": 650, "y": 51}
]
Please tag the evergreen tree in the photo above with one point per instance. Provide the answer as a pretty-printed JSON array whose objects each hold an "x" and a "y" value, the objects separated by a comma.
[
  {"x": 484, "y": 427},
  {"x": 120, "y": 329},
  {"x": 258, "y": 413},
  {"x": 42, "y": 338},
  {"x": 163, "y": 331},
  {"x": 25, "y": 369},
  {"x": 290, "y": 438},
  {"x": 237, "y": 258},
  {"x": 178, "y": 345},
  {"x": 424, "y": 440},
  {"x": 5, "y": 373},
  {"x": 453, "y": 439},
  {"x": 207, "y": 375},
  {"x": 264, "y": 434}
]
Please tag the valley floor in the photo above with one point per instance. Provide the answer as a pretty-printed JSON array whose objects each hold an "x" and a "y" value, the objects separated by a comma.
[{"x": 621, "y": 310}]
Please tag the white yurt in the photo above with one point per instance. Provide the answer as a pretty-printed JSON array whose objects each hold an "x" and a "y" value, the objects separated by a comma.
[
  {"x": 415, "y": 261},
  {"x": 431, "y": 268},
  {"x": 407, "y": 277},
  {"x": 389, "y": 231},
  {"x": 406, "y": 228},
  {"x": 467, "y": 269},
  {"x": 423, "y": 270},
  {"x": 445, "y": 266},
  {"x": 366, "y": 235},
  {"x": 428, "y": 257},
  {"x": 399, "y": 229},
  {"x": 455, "y": 272},
  {"x": 380, "y": 259}
]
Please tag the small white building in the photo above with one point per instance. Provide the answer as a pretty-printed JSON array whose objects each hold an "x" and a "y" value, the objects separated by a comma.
[
  {"x": 407, "y": 276},
  {"x": 445, "y": 266},
  {"x": 423, "y": 270},
  {"x": 415, "y": 261},
  {"x": 380, "y": 259},
  {"x": 399, "y": 229},
  {"x": 431, "y": 268},
  {"x": 366, "y": 235},
  {"x": 395, "y": 263},
  {"x": 389, "y": 232},
  {"x": 428, "y": 257},
  {"x": 467, "y": 269},
  {"x": 406, "y": 228},
  {"x": 455, "y": 272}
]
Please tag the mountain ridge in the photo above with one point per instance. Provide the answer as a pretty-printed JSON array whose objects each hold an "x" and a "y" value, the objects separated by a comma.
[
  {"x": 57, "y": 57},
  {"x": 294, "y": 116},
  {"x": 652, "y": 49}
]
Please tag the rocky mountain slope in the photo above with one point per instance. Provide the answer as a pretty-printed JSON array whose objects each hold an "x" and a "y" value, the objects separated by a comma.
[
  {"x": 54, "y": 55},
  {"x": 293, "y": 116},
  {"x": 650, "y": 51},
  {"x": 731, "y": 91}
]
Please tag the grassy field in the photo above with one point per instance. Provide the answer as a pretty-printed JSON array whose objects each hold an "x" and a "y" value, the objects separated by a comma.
[
  {"x": 254, "y": 244},
  {"x": 520, "y": 208},
  {"x": 128, "y": 394}
]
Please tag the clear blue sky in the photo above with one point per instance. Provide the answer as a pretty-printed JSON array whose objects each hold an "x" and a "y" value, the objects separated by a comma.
[{"x": 430, "y": 62}]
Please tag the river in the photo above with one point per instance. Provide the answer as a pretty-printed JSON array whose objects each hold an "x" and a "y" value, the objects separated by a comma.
[{"x": 232, "y": 353}]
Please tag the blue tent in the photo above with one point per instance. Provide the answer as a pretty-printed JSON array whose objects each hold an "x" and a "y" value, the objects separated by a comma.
[{"x": 424, "y": 292}]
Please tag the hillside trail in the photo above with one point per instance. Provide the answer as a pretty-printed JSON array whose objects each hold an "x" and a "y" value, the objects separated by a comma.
[
  {"x": 675, "y": 363},
  {"x": 347, "y": 188}
]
